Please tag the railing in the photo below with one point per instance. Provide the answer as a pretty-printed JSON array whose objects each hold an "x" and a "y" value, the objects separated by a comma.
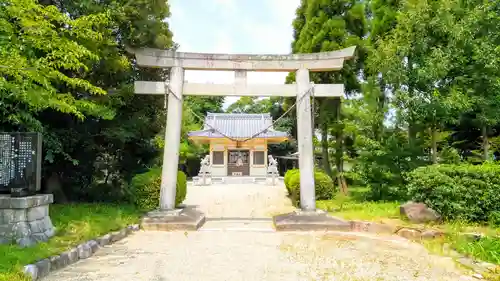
[{"x": 20, "y": 163}]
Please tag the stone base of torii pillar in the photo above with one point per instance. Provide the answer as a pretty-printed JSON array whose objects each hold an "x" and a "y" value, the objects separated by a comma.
[
  {"x": 186, "y": 218},
  {"x": 316, "y": 220}
]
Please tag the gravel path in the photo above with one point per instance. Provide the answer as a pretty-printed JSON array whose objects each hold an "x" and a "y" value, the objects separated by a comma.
[{"x": 233, "y": 246}]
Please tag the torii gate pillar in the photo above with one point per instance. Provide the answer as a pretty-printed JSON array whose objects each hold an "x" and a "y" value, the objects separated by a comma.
[
  {"x": 305, "y": 142},
  {"x": 172, "y": 140}
]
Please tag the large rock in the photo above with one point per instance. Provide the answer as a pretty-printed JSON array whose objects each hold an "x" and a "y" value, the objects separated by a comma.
[{"x": 418, "y": 212}]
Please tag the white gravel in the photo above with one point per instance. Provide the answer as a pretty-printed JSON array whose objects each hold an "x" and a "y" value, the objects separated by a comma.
[{"x": 232, "y": 246}]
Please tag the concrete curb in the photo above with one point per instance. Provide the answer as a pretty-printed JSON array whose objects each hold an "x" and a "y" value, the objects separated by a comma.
[{"x": 84, "y": 250}]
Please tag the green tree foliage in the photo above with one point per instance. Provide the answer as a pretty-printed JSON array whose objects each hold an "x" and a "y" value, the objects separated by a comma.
[
  {"x": 326, "y": 26},
  {"x": 41, "y": 48},
  {"x": 59, "y": 59},
  {"x": 422, "y": 89}
]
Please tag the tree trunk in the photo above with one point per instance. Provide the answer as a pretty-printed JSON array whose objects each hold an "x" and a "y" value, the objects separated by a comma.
[
  {"x": 434, "y": 144},
  {"x": 339, "y": 151},
  {"x": 412, "y": 133},
  {"x": 379, "y": 127},
  {"x": 324, "y": 149},
  {"x": 53, "y": 186},
  {"x": 486, "y": 143}
]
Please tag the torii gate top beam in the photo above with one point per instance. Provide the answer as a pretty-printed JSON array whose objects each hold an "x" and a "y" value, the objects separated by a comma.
[{"x": 324, "y": 61}]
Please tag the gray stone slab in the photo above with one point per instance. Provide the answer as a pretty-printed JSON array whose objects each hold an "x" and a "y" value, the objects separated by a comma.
[
  {"x": 31, "y": 271},
  {"x": 104, "y": 240},
  {"x": 26, "y": 242},
  {"x": 50, "y": 232},
  {"x": 13, "y": 215},
  {"x": 37, "y": 226},
  {"x": 5, "y": 230},
  {"x": 37, "y": 213},
  {"x": 8, "y": 202},
  {"x": 94, "y": 246},
  {"x": 21, "y": 229},
  {"x": 309, "y": 221},
  {"x": 181, "y": 219},
  {"x": 134, "y": 227},
  {"x": 43, "y": 267},
  {"x": 4, "y": 201},
  {"x": 56, "y": 262},
  {"x": 40, "y": 237},
  {"x": 84, "y": 251},
  {"x": 70, "y": 256},
  {"x": 118, "y": 235}
]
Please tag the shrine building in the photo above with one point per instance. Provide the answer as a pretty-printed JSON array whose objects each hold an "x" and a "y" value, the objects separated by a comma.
[{"x": 231, "y": 153}]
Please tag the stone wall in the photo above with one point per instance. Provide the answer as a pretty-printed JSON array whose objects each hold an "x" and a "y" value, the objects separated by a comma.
[{"x": 25, "y": 220}]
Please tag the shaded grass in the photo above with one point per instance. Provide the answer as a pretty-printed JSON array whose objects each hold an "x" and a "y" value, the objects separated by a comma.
[
  {"x": 356, "y": 207},
  {"x": 74, "y": 223}
]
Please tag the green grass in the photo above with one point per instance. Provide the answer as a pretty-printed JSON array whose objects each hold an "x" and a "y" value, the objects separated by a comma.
[
  {"x": 75, "y": 223},
  {"x": 370, "y": 211},
  {"x": 356, "y": 207},
  {"x": 485, "y": 249}
]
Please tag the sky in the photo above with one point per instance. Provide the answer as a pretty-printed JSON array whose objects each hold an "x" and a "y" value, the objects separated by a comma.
[{"x": 233, "y": 26}]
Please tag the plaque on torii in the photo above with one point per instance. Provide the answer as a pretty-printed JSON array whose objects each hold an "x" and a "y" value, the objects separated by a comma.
[{"x": 241, "y": 64}]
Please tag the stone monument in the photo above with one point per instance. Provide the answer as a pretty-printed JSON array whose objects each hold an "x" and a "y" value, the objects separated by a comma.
[{"x": 24, "y": 214}]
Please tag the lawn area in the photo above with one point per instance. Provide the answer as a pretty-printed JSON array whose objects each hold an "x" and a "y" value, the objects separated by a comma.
[
  {"x": 356, "y": 207},
  {"x": 75, "y": 223}
]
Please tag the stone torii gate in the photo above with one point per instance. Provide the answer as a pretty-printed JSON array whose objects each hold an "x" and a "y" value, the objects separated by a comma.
[{"x": 176, "y": 88}]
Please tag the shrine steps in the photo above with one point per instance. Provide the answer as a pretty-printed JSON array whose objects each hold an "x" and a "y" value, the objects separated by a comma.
[{"x": 237, "y": 180}]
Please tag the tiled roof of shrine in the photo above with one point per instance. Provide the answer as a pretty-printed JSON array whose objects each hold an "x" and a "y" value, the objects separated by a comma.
[{"x": 237, "y": 125}]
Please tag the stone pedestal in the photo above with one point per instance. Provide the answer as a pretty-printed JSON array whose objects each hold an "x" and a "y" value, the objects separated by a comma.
[
  {"x": 168, "y": 220},
  {"x": 25, "y": 220},
  {"x": 200, "y": 181},
  {"x": 310, "y": 221}
]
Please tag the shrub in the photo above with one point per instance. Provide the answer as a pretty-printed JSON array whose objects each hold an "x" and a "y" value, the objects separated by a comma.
[
  {"x": 324, "y": 186},
  {"x": 145, "y": 189},
  {"x": 288, "y": 176},
  {"x": 466, "y": 192}
]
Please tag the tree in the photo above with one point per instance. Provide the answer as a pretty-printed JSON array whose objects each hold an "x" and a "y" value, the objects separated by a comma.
[
  {"x": 40, "y": 46},
  {"x": 94, "y": 142},
  {"x": 325, "y": 26},
  {"x": 424, "y": 60},
  {"x": 478, "y": 63}
]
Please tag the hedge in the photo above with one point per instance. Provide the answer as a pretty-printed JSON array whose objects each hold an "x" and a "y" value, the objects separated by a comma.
[
  {"x": 288, "y": 176},
  {"x": 324, "y": 185},
  {"x": 466, "y": 192},
  {"x": 145, "y": 189}
]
